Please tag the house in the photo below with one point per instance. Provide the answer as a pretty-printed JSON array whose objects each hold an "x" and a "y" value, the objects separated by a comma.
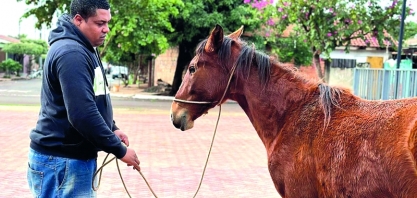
[
  {"x": 4, "y": 40},
  {"x": 367, "y": 52}
]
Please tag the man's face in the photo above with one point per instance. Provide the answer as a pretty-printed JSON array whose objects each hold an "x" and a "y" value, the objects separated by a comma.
[{"x": 96, "y": 27}]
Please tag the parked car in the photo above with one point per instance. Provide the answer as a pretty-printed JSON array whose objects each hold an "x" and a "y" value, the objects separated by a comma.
[{"x": 116, "y": 72}]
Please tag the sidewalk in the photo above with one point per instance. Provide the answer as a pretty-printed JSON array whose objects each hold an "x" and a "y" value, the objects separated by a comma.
[{"x": 138, "y": 92}]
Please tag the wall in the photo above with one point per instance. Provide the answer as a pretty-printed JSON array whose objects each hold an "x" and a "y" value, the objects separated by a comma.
[
  {"x": 2, "y": 56},
  {"x": 165, "y": 65},
  {"x": 343, "y": 77},
  {"x": 360, "y": 55}
]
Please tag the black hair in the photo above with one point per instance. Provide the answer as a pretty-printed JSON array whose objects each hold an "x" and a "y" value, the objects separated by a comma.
[{"x": 87, "y": 8}]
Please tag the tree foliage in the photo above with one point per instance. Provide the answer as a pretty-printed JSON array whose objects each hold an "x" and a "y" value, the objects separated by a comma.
[
  {"x": 196, "y": 21},
  {"x": 410, "y": 30},
  {"x": 31, "y": 47},
  {"x": 327, "y": 24},
  {"x": 10, "y": 66},
  {"x": 142, "y": 28},
  {"x": 27, "y": 46},
  {"x": 138, "y": 26},
  {"x": 292, "y": 49}
]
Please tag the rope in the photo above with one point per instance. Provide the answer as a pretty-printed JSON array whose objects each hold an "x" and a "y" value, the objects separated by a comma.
[
  {"x": 105, "y": 163},
  {"x": 192, "y": 102},
  {"x": 100, "y": 170},
  {"x": 208, "y": 156}
]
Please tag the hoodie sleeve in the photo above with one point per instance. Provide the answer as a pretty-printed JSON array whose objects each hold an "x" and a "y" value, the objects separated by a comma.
[
  {"x": 114, "y": 126},
  {"x": 76, "y": 76}
]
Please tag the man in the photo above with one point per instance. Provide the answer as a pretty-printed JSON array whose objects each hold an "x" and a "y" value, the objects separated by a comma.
[{"x": 76, "y": 117}]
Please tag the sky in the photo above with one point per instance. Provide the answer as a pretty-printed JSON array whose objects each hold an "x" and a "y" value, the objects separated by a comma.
[{"x": 11, "y": 11}]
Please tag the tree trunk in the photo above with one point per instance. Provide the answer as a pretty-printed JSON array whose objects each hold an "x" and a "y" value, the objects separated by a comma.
[
  {"x": 184, "y": 57},
  {"x": 137, "y": 70},
  {"x": 327, "y": 70},
  {"x": 316, "y": 62},
  {"x": 150, "y": 74}
]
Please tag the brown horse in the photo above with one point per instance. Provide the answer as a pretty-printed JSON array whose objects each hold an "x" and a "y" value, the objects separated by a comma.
[{"x": 321, "y": 141}]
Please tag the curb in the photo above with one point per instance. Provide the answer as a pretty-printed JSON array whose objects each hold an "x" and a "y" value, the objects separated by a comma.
[
  {"x": 153, "y": 97},
  {"x": 143, "y": 96}
]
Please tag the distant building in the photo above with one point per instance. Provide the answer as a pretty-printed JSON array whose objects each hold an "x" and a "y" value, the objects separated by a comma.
[{"x": 4, "y": 40}]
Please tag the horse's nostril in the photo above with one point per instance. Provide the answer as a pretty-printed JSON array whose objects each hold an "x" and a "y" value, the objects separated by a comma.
[{"x": 172, "y": 117}]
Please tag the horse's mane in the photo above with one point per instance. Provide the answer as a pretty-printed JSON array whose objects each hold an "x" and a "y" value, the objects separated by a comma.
[
  {"x": 329, "y": 96},
  {"x": 247, "y": 56}
]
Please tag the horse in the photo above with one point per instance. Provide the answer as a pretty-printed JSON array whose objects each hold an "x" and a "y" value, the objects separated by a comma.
[{"x": 320, "y": 140}]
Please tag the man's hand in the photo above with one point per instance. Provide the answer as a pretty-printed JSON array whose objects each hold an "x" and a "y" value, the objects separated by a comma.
[
  {"x": 123, "y": 137},
  {"x": 131, "y": 159}
]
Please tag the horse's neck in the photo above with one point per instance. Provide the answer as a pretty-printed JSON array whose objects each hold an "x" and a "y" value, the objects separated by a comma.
[{"x": 268, "y": 105}]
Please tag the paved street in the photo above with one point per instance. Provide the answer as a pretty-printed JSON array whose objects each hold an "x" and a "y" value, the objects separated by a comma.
[{"x": 171, "y": 160}]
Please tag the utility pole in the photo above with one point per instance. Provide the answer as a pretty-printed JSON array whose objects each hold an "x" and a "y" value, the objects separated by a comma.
[{"x": 400, "y": 40}]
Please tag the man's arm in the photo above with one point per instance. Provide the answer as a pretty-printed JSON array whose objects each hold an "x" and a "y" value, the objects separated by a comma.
[{"x": 76, "y": 78}]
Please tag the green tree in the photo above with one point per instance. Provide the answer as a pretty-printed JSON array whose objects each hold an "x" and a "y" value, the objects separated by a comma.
[
  {"x": 292, "y": 49},
  {"x": 196, "y": 21},
  {"x": 327, "y": 24},
  {"x": 410, "y": 30},
  {"x": 135, "y": 35},
  {"x": 26, "y": 46},
  {"x": 10, "y": 66},
  {"x": 138, "y": 27}
]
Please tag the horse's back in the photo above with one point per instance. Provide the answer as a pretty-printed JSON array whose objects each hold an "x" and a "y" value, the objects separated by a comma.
[
  {"x": 368, "y": 149},
  {"x": 383, "y": 147}
]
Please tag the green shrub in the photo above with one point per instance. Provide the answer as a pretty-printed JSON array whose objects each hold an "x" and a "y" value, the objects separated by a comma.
[{"x": 10, "y": 65}]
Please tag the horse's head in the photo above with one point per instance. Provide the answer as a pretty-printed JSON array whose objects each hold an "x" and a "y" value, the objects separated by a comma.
[{"x": 206, "y": 79}]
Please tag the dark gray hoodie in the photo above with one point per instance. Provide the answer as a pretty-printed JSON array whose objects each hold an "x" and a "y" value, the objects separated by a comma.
[{"x": 76, "y": 116}]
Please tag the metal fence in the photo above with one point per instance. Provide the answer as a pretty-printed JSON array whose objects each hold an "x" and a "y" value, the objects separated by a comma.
[{"x": 385, "y": 84}]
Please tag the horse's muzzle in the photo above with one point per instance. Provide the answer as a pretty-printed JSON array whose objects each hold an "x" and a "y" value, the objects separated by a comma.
[{"x": 180, "y": 118}]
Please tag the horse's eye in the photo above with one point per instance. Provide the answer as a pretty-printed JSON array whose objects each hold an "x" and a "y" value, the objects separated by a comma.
[{"x": 191, "y": 69}]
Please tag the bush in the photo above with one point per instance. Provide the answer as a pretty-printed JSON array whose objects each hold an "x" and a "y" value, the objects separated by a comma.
[{"x": 10, "y": 66}]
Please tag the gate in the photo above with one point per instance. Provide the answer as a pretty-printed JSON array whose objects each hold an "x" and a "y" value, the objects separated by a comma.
[{"x": 384, "y": 84}]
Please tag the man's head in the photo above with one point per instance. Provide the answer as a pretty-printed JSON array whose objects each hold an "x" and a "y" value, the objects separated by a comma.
[{"x": 91, "y": 17}]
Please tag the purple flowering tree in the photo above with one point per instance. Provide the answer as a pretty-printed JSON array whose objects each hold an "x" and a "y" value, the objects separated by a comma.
[{"x": 327, "y": 24}]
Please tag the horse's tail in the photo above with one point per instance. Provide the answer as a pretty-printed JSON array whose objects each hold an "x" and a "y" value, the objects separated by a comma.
[{"x": 329, "y": 96}]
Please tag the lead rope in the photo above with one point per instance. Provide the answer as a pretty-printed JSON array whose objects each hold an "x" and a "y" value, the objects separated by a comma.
[
  {"x": 100, "y": 170},
  {"x": 95, "y": 188}
]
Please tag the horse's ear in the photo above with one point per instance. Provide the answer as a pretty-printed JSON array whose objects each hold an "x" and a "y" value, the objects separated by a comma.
[
  {"x": 215, "y": 39},
  {"x": 236, "y": 35}
]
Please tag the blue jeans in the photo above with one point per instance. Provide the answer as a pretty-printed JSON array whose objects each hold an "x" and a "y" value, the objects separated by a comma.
[{"x": 51, "y": 176}]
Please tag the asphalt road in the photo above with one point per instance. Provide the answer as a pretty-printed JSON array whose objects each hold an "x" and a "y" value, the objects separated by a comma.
[{"x": 27, "y": 92}]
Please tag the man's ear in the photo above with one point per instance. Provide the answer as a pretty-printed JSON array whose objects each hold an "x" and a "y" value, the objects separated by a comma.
[{"x": 77, "y": 20}]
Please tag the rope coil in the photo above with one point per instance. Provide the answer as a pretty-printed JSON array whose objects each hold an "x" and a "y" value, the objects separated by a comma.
[{"x": 105, "y": 162}]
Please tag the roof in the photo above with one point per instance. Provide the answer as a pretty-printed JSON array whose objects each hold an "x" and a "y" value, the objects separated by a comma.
[
  {"x": 357, "y": 42},
  {"x": 373, "y": 42},
  {"x": 411, "y": 42},
  {"x": 7, "y": 39}
]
